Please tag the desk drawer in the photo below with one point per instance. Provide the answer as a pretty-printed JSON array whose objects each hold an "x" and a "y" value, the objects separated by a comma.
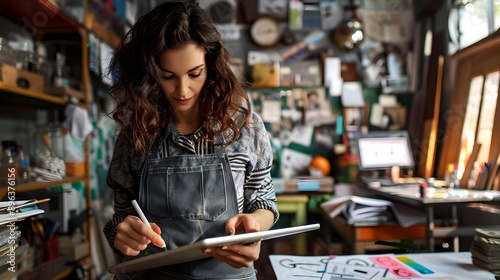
[
  {"x": 377, "y": 232},
  {"x": 390, "y": 232}
]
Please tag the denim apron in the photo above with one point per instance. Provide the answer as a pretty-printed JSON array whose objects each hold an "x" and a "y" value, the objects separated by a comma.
[{"x": 189, "y": 197}]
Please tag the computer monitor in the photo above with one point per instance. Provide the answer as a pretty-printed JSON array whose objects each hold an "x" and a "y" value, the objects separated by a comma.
[{"x": 381, "y": 150}]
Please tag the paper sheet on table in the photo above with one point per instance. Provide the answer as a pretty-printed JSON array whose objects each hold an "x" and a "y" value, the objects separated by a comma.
[
  {"x": 437, "y": 266},
  {"x": 298, "y": 267},
  {"x": 374, "y": 267},
  {"x": 288, "y": 267},
  {"x": 335, "y": 270}
]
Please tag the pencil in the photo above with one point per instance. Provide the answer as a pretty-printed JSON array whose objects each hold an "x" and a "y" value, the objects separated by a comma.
[{"x": 143, "y": 218}]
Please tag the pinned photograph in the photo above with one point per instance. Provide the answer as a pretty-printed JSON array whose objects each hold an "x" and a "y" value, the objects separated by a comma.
[{"x": 317, "y": 108}]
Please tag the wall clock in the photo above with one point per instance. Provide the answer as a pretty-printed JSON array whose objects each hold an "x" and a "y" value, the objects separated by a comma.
[{"x": 265, "y": 32}]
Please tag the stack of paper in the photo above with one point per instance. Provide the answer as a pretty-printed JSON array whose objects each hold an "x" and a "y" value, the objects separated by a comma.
[
  {"x": 13, "y": 211},
  {"x": 20, "y": 250},
  {"x": 485, "y": 249},
  {"x": 365, "y": 210}
]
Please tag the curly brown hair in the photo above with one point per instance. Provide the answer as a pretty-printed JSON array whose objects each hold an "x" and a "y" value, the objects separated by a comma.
[{"x": 142, "y": 110}]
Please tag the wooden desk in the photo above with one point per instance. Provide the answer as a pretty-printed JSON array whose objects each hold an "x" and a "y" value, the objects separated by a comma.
[
  {"x": 361, "y": 238},
  {"x": 410, "y": 195},
  {"x": 295, "y": 204}
]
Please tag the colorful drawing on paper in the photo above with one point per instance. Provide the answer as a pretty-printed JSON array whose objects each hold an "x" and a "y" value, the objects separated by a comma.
[
  {"x": 345, "y": 271},
  {"x": 395, "y": 267},
  {"x": 411, "y": 263}
]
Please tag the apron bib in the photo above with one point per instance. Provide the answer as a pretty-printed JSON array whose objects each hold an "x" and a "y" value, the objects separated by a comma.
[{"x": 189, "y": 197}]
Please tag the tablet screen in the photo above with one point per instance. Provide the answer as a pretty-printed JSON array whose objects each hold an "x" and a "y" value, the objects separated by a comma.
[{"x": 193, "y": 252}]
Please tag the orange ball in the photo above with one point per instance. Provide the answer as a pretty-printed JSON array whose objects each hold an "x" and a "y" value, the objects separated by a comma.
[{"x": 321, "y": 163}]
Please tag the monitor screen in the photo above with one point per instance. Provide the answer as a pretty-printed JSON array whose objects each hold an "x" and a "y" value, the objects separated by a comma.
[{"x": 382, "y": 150}]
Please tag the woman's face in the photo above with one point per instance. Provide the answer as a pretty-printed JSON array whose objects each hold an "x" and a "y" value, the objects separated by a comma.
[{"x": 184, "y": 74}]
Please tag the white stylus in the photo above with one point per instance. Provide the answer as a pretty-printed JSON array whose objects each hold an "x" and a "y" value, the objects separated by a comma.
[{"x": 143, "y": 218}]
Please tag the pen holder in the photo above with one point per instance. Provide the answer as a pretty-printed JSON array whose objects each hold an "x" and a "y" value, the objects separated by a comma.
[{"x": 50, "y": 248}]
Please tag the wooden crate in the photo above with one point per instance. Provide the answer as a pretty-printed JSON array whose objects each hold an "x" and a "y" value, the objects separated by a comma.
[{"x": 12, "y": 76}]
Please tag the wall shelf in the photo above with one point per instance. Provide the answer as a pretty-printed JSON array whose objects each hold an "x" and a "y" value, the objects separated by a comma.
[
  {"x": 32, "y": 186},
  {"x": 38, "y": 96}
]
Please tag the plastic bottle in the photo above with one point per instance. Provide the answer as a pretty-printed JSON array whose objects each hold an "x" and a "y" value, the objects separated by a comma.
[
  {"x": 61, "y": 77},
  {"x": 24, "y": 164},
  {"x": 452, "y": 177},
  {"x": 423, "y": 189}
]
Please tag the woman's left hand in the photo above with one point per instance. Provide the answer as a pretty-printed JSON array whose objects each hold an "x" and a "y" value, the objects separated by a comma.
[{"x": 238, "y": 255}]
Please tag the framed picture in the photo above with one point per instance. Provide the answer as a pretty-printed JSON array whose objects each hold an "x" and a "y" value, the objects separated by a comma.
[{"x": 276, "y": 8}]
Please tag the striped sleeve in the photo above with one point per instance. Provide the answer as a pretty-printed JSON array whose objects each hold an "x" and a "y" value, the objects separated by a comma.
[{"x": 258, "y": 187}]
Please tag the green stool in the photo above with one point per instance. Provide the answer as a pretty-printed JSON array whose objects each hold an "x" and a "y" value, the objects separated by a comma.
[{"x": 296, "y": 204}]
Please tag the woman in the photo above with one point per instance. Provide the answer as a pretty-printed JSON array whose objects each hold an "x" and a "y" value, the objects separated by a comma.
[{"x": 185, "y": 126}]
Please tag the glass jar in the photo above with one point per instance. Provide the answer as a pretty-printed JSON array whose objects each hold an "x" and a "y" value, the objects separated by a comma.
[
  {"x": 50, "y": 138},
  {"x": 28, "y": 61}
]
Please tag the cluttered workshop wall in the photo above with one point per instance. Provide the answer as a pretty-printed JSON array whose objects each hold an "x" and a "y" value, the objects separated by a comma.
[{"x": 301, "y": 122}]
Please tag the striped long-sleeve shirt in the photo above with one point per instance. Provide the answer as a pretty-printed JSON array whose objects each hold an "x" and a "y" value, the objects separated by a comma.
[{"x": 250, "y": 158}]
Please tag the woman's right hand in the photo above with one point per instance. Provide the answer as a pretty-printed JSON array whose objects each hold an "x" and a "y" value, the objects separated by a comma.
[{"x": 133, "y": 236}]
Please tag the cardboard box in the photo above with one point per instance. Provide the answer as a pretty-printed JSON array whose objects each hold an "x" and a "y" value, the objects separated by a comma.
[
  {"x": 74, "y": 247},
  {"x": 12, "y": 76}
]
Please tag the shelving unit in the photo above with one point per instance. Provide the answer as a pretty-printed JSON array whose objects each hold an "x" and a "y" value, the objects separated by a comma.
[
  {"x": 34, "y": 95},
  {"x": 42, "y": 185},
  {"x": 48, "y": 19},
  {"x": 102, "y": 27}
]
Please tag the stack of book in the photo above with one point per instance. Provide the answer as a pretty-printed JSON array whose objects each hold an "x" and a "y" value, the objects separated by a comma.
[
  {"x": 324, "y": 184},
  {"x": 485, "y": 249}
]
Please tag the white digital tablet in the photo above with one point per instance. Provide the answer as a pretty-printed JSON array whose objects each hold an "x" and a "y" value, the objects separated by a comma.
[{"x": 193, "y": 251}]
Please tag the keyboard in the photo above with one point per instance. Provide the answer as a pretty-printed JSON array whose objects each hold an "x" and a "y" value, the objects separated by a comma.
[
  {"x": 378, "y": 182},
  {"x": 386, "y": 182}
]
